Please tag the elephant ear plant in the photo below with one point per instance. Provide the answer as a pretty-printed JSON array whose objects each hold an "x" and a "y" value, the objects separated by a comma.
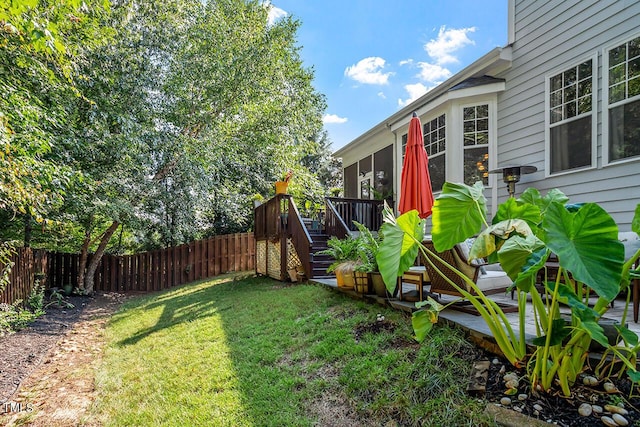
[{"x": 521, "y": 238}]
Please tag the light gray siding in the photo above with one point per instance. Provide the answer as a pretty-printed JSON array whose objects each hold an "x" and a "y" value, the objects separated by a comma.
[{"x": 550, "y": 35}]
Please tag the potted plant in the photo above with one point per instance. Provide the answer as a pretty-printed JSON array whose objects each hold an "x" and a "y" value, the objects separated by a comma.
[
  {"x": 345, "y": 253},
  {"x": 283, "y": 184},
  {"x": 368, "y": 267}
]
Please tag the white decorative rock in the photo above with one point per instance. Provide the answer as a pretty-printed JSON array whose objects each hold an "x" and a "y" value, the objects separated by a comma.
[
  {"x": 615, "y": 409},
  {"x": 608, "y": 421},
  {"x": 620, "y": 420},
  {"x": 522, "y": 397},
  {"x": 505, "y": 401},
  {"x": 609, "y": 387},
  {"x": 585, "y": 410},
  {"x": 537, "y": 407},
  {"x": 589, "y": 380},
  {"x": 597, "y": 409},
  {"x": 495, "y": 361},
  {"x": 510, "y": 376},
  {"x": 511, "y": 384}
]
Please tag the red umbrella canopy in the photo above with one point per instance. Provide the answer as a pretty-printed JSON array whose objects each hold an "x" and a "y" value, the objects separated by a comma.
[{"x": 415, "y": 184}]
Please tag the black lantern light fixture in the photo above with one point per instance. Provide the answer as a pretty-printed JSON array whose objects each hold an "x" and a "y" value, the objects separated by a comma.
[{"x": 511, "y": 174}]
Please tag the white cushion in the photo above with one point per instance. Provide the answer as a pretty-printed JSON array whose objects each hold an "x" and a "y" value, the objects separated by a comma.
[
  {"x": 631, "y": 243},
  {"x": 493, "y": 279}
]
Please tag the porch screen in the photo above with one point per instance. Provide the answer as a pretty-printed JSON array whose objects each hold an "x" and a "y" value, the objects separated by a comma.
[
  {"x": 351, "y": 181},
  {"x": 383, "y": 173}
]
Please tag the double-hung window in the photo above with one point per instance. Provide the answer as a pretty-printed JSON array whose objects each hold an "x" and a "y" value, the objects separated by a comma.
[
  {"x": 622, "y": 82},
  {"x": 435, "y": 145},
  {"x": 571, "y": 117},
  {"x": 475, "y": 122}
]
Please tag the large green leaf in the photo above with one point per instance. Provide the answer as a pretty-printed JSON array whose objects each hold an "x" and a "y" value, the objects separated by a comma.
[
  {"x": 553, "y": 196},
  {"x": 635, "y": 223},
  {"x": 595, "y": 331},
  {"x": 586, "y": 243},
  {"x": 458, "y": 213},
  {"x": 423, "y": 320},
  {"x": 492, "y": 238},
  {"x": 516, "y": 252},
  {"x": 512, "y": 209},
  {"x": 629, "y": 336},
  {"x": 529, "y": 271},
  {"x": 399, "y": 246}
]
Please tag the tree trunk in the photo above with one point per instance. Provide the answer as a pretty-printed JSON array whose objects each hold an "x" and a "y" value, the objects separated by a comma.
[
  {"x": 28, "y": 228},
  {"x": 84, "y": 254},
  {"x": 93, "y": 265}
]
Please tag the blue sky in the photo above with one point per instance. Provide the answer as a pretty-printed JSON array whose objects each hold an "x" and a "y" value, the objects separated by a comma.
[{"x": 371, "y": 57}]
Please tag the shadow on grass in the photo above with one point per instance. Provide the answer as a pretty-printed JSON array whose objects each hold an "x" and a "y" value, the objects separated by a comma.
[
  {"x": 179, "y": 305},
  {"x": 260, "y": 319}
]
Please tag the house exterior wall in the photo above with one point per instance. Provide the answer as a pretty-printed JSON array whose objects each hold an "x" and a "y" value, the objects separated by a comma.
[
  {"x": 549, "y": 37},
  {"x": 545, "y": 37}
]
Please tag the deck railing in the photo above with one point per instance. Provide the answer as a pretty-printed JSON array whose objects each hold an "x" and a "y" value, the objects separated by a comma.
[
  {"x": 300, "y": 237},
  {"x": 334, "y": 225},
  {"x": 366, "y": 212},
  {"x": 278, "y": 220}
]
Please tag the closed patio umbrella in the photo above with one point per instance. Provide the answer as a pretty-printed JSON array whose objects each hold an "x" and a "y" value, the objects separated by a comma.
[{"x": 415, "y": 183}]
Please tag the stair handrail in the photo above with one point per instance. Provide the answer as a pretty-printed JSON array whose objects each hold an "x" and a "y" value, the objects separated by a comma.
[
  {"x": 334, "y": 224},
  {"x": 300, "y": 237}
]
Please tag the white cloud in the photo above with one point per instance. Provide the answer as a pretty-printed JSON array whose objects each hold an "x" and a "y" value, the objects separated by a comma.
[
  {"x": 333, "y": 118},
  {"x": 382, "y": 95},
  {"x": 406, "y": 62},
  {"x": 432, "y": 72},
  {"x": 415, "y": 91},
  {"x": 369, "y": 71},
  {"x": 448, "y": 41},
  {"x": 275, "y": 13}
]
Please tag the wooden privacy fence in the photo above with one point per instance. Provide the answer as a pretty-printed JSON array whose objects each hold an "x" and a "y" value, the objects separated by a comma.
[
  {"x": 26, "y": 263},
  {"x": 147, "y": 271}
]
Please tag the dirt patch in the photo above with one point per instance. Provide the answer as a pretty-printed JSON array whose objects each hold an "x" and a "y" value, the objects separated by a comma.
[{"x": 48, "y": 368}]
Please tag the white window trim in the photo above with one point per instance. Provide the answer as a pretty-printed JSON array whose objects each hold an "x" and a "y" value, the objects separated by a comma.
[
  {"x": 594, "y": 117},
  {"x": 447, "y": 138},
  {"x": 492, "y": 146},
  {"x": 606, "y": 105}
]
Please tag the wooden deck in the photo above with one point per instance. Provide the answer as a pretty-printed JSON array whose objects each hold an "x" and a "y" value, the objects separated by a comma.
[{"x": 473, "y": 324}]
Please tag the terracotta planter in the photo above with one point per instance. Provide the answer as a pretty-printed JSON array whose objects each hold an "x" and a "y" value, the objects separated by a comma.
[{"x": 281, "y": 187}]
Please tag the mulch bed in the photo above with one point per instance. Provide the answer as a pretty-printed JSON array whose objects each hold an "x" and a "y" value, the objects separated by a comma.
[
  {"x": 556, "y": 408},
  {"x": 23, "y": 351}
]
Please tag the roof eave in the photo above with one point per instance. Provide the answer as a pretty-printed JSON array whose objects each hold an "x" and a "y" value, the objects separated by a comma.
[{"x": 492, "y": 63}]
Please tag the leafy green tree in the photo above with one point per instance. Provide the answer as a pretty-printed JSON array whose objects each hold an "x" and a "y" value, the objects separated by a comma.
[
  {"x": 160, "y": 118},
  {"x": 38, "y": 46}
]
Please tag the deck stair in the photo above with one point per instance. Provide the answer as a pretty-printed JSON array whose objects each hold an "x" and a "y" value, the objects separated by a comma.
[{"x": 319, "y": 263}]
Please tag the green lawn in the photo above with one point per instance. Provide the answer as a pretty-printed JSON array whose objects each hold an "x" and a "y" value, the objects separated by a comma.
[{"x": 257, "y": 352}]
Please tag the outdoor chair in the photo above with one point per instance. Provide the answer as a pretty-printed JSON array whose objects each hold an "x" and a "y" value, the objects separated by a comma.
[
  {"x": 417, "y": 276},
  {"x": 489, "y": 278}
]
